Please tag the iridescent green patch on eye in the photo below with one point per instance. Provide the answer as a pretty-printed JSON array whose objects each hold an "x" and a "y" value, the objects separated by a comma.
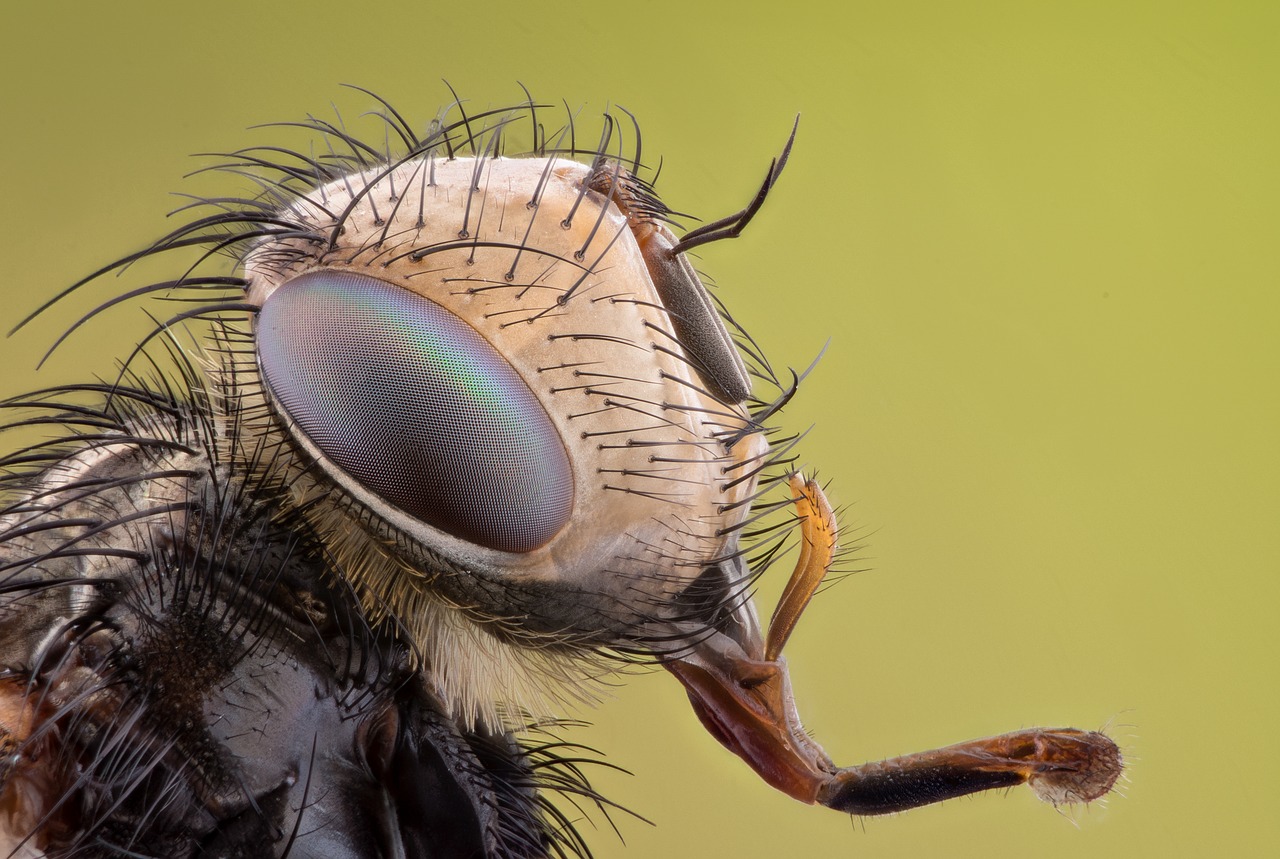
[{"x": 415, "y": 406}]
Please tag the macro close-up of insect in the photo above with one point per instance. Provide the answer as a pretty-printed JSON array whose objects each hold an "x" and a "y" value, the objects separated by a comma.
[{"x": 437, "y": 430}]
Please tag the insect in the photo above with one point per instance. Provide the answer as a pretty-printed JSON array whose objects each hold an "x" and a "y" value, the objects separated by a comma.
[{"x": 437, "y": 438}]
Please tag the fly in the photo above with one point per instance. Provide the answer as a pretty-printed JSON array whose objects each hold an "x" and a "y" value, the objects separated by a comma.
[{"x": 463, "y": 433}]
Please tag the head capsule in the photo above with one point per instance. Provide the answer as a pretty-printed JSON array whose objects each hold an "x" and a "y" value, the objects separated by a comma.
[{"x": 512, "y": 394}]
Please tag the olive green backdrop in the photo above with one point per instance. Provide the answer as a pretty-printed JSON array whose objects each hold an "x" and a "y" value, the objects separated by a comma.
[{"x": 1043, "y": 245}]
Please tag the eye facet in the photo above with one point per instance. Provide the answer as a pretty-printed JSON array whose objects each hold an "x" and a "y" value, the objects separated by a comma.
[{"x": 415, "y": 406}]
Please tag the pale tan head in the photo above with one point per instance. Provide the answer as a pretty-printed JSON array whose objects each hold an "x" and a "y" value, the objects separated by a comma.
[{"x": 600, "y": 458}]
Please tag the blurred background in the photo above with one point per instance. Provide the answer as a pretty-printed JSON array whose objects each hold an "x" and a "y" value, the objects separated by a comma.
[{"x": 1041, "y": 239}]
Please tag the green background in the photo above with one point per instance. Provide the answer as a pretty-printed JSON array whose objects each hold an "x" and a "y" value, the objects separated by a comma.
[{"x": 1042, "y": 240}]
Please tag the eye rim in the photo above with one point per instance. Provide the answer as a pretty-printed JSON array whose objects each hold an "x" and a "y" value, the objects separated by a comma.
[{"x": 551, "y": 505}]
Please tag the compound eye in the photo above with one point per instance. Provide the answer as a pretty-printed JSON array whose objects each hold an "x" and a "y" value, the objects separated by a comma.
[{"x": 411, "y": 403}]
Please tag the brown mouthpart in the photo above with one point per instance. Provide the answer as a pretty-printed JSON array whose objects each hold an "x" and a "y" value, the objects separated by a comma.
[{"x": 741, "y": 691}]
